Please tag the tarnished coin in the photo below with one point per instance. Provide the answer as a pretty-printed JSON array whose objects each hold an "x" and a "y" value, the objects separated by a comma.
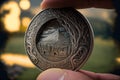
[{"x": 59, "y": 38}]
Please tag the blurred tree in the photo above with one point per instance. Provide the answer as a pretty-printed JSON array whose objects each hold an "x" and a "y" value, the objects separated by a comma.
[{"x": 101, "y": 28}]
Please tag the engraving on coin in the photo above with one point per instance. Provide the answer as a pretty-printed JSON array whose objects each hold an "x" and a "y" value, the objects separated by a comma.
[
  {"x": 54, "y": 43},
  {"x": 59, "y": 38}
]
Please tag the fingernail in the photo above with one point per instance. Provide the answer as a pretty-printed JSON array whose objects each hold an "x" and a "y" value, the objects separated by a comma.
[{"x": 52, "y": 74}]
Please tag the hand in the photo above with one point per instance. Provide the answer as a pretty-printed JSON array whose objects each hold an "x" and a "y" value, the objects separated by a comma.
[
  {"x": 62, "y": 74},
  {"x": 77, "y": 4}
]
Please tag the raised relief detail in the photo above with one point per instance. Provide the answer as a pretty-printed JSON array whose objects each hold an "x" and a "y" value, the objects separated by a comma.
[
  {"x": 59, "y": 38},
  {"x": 54, "y": 41}
]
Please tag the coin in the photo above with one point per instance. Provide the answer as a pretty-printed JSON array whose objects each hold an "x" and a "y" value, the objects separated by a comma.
[{"x": 59, "y": 38}]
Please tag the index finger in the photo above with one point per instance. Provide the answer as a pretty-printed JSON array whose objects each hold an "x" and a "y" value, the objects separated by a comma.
[
  {"x": 77, "y": 4},
  {"x": 100, "y": 76},
  {"x": 65, "y": 3}
]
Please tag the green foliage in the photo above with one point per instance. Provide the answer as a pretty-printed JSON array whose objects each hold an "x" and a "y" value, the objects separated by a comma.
[
  {"x": 15, "y": 44},
  {"x": 101, "y": 28},
  {"x": 29, "y": 74},
  {"x": 103, "y": 57}
]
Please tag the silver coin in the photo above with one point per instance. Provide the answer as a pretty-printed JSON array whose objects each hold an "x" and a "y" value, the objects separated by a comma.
[{"x": 59, "y": 38}]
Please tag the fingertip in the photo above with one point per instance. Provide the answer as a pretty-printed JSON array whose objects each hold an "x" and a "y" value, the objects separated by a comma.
[
  {"x": 42, "y": 5},
  {"x": 88, "y": 73},
  {"x": 51, "y": 74},
  {"x": 61, "y": 74},
  {"x": 64, "y": 3},
  {"x": 56, "y": 4},
  {"x": 49, "y": 4}
]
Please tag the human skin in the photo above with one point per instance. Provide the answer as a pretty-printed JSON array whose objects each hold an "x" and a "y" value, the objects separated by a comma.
[
  {"x": 77, "y": 4},
  {"x": 63, "y": 74}
]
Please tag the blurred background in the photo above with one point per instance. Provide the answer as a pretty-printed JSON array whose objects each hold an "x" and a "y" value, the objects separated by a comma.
[{"x": 15, "y": 16}]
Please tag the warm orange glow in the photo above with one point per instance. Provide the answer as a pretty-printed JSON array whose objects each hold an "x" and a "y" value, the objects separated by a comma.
[
  {"x": 105, "y": 15},
  {"x": 11, "y": 20},
  {"x": 26, "y": 21},
  {"x": 118, "y": 59},
  {"x": 24, "y": 4},
  {"x": 18, "y": 59},
  {"x": 36, "y": 10}
]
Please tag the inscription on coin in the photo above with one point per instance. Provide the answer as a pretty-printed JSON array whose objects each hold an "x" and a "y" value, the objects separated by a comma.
[{"x": 59, "y": 38}]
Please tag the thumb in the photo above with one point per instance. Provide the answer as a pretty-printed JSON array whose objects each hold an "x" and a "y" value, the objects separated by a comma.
[{"x": 62, "y": 74}]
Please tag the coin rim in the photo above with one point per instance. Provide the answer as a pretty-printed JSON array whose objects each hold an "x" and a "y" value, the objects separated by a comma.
[{"x": 91, "y": 32}]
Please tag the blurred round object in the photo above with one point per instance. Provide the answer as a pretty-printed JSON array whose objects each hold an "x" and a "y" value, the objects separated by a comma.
[
  {"x": 24, "y": 4},
  {"x": 118, "y": 59},
  {"x": 25, "y": 21}
]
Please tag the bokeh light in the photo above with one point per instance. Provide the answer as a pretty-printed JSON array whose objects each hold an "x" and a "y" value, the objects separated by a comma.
[
  {"x": 25, "y": 21},
  {"x": 24, "y": 4},
  {"x": 19, "y": 59},
  {"x": 12, "y": 19},
  {"x": 118, "y": 59}
]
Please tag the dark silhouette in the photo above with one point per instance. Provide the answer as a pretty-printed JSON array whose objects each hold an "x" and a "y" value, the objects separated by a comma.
[
  {"x": 3, "y": 40},
  {"x": 116, "y": 31}
]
